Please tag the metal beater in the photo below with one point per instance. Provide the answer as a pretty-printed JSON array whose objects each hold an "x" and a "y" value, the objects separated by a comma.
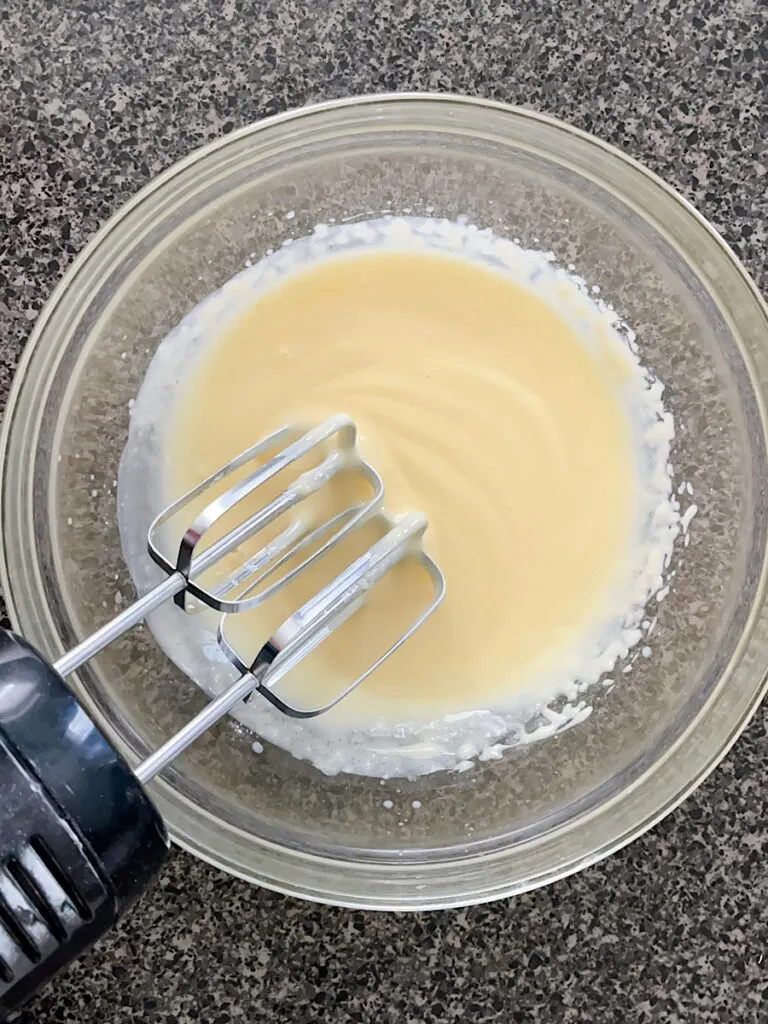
[{"x": 253, "y": 581}]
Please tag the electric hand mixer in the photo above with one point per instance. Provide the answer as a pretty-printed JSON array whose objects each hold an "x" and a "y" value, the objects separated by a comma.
[{"x": 80, "y": 837}]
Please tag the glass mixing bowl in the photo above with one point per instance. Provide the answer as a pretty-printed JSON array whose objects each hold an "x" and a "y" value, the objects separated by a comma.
[{"x": 548, "y": 808}]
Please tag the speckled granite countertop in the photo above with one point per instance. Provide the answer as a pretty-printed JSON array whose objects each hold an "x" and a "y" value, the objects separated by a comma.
[{"x": 94, "y": 100}]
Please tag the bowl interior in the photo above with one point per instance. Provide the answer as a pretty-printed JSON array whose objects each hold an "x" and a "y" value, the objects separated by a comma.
[{"x": 526, "y": 179}]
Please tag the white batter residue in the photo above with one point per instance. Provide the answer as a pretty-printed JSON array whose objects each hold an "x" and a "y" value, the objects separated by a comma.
[{"x": 556, "y": 700}]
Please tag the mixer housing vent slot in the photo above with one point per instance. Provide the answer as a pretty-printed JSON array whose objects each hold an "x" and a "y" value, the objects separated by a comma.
[{"x": 37, "y": 912}]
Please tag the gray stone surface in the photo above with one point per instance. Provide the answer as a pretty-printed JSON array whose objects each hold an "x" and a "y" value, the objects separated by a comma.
[{"x": 96, "y": 99}]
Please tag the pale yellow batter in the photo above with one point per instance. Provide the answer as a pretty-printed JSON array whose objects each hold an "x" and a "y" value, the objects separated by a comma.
[{"x": 480, "y": 407}]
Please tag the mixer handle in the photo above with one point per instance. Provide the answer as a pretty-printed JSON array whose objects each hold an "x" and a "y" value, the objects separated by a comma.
[{"x": 79, "y": 837}]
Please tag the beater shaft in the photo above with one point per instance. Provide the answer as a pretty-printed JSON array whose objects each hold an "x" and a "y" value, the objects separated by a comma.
[
  {"x": 115, "y": 628},
  {"x": 195, "y": 728}
]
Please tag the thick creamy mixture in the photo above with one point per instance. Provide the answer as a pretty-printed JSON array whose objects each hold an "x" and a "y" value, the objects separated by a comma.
[
  {"x": 479, "y": 406},
  {"x": 494, "y": 396}
]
